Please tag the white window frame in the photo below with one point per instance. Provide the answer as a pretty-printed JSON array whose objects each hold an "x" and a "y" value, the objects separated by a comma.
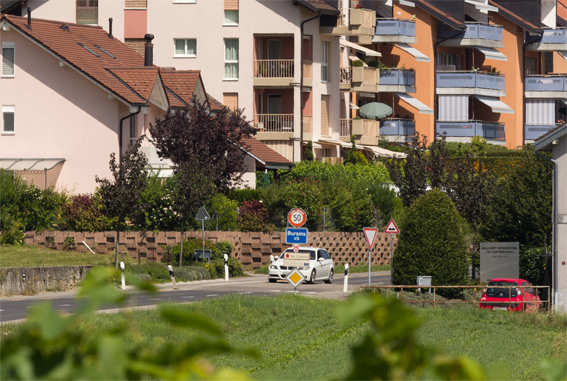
[
  {"x": 184, "y": 55},
  {"x": 184, "y": 2},
  {"x": 8, "y": 45},
  {"x": 231, "y": 23},
  {"x": 232, "y": 61},
  {"x": 6, "y": 110},
  {"x": 132, "y": 130},
  {"x": 325, "y": 60}
]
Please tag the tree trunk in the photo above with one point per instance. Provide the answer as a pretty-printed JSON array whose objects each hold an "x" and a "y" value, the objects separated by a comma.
[
  {"x": 117, "y": 242},
  {"x": 181, "y": 248}
]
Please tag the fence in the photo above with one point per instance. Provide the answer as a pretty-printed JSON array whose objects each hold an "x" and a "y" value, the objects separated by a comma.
[{"x": 508, "y": 305}]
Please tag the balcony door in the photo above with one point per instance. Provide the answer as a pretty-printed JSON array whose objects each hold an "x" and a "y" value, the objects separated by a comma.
[
  {"x": 274, "y": 112},
  {"x": 274, "y": 49}
]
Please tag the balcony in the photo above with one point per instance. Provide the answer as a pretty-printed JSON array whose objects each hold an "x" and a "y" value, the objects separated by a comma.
[
  {"x": 273, "y": 72},
  {"x": 366, "y": 131},
  {"x": 475, "y": 34},
  {"x": 359, "y": 78},
  {"x": 397, "y": 127},
  {"x": 534, "y": 131},
  {"x": 470, "y": 83},
  {"x": 397, "y": 81},
  {"x": 470, "y": 129},
  {"x": 394, "y": 31},
  {"x": 358, "y": 23},
  {"x": 551, "y": 40},
  {"x": 274, "y": 126},
  {"x": 546, "y": 86}
]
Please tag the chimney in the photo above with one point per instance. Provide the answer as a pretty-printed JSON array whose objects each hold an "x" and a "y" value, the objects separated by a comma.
[
  {"x": 149, "y": 51},
  {"x": 110, "y": 28},
  {"x": 29, "y": 18}
]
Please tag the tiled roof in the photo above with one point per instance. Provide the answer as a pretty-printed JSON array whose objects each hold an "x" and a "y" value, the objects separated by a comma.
[
  {"x": 439, "y": 14},
  {"x": 90, "y": 50},
  {"x": 141, "y": 79},
  {"x": 264, "y": 153},
  {"x": 562, "y": 12},
  {"x": 550, "y": 131},
  {"x": 515, "y": 18},
  {"x": 318, "y": 6},
  {"x": 214, "y": 104},
  {"x": 180, "y": 85}
]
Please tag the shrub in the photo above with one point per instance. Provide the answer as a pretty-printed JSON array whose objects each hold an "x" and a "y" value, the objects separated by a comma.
[
  {"x": 83, "y": 212},
  {"x": 357, "y": 63},
  {"x": 189, "y": 246},
  {"x": 223, "y": 212},
  {"x": 253, "y": 217},
  {"x": 11, "y": 231},
  {"x": 161, "y": 215},
  {"x": 241, "y": 195},
  {"x": 431, "y": 242},
  {"x": 157, "y": 271},
  {"x": 306, "y": 195}
]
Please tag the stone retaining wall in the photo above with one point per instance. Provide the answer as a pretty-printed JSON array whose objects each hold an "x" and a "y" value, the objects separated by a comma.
[
  {"x": 252, "y": 249},
  {"x": 31, "y": 280}
]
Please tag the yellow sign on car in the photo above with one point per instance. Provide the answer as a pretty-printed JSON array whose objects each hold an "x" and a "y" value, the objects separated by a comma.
[{"x": 295, "y": 278}]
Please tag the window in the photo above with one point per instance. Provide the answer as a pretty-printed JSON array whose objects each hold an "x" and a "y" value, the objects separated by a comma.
[
  {"x": 231, "y": 58},
  {"x": 450, "y": 60},
  {"x": 87, "y": 11},
  {"x": 132, "y": 130},
  {"x": 531, "y": 66},
  {"x": 185, "y": 47},
  {"x": 231, "y": 17},
  {"x": 325, "y": 61},
  {"x": 230, "y": 100},
  {"x": 8, "y": 59},
  {"x": 8, "y": 119}
]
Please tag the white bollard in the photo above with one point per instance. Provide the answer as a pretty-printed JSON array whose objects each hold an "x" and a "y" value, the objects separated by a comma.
[
  {"x": 123, "y": 279},
  {"x": 172, "y": 277},
  {"x": 346, "y": 278},
  {"x": 226, "y": 267}
]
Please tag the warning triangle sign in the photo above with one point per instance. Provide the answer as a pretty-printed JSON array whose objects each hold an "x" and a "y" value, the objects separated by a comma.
[
  {"x": 392, "y": 227},
  {"x": 370, "y": 234},
  {"x": 202, "y": 215}
]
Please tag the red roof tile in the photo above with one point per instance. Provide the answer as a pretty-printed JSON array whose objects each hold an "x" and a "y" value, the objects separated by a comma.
[
  {"x": 141, "y": 79},
  {"x": 214, "y": 104},
  {"x": 264, "y": 153},
  {"x": 180, "y": 85}
]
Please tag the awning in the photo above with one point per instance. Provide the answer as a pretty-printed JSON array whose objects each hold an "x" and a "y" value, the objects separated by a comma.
[
  {"x": 482, "y": 6},
  {"x": 421, "y": 107},
  {"x": 352, "y": 45},
  {"x": 352, "y": 105},
  {"x": 419, "y": 56},
  {"x": 29, "y": 164},
  {"x": 348, "y": 145},
  {"x": 385, "y": 152},
  {"x": 330, "y": 142},
  {"x": 313, "y": 144},
  {"x": 492, "y": 54},
  {"x": 495, "y": 104}
]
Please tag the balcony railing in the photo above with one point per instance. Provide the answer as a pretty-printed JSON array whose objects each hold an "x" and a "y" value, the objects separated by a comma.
[
  {"x": 358, "y": 17},
  {"x": 308, "y": 124},
  {"x": 274, "y": 68},
  {"x": 553, "y": 36},
  {"x": 397, "y": 77},
  {"x": 370, "y": 128},
  {"x": 467, "y": 79},
  {"x": 546, "y": 83},
  {"x": 345, "y": 127},
  {"x": 395, "y": 27},
  {"x": 534, "y": 131},
  {"x": 405, "y": 127},
  {"x": 474, "y": 30},
  {"x": 471, "y": 129},
  {"x": 346, "y": 74},
  {"x": 274, "y": 122}
]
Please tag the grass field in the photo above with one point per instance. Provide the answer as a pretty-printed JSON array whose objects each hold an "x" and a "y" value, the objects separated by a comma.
[
  {"x": 32, "y": 256},
  {"x": 300, "y": 339}
]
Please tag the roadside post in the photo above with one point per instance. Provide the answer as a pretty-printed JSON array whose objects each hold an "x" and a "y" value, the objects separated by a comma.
[
  {"x": 203, "y": 216},
  {"x": 370, "y": 234},
  {"x": 295, "y": 278},
  {"x": 226, "y": 267},
  {"x": 345, "y": 288},
  {"x": 172, "y": 277},
  {"x": 392, "y": 229},
  {"x": 123, "y": 279}
]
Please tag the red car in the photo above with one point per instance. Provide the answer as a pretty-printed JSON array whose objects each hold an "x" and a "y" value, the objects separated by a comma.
[{"x": 496, "y": 295}]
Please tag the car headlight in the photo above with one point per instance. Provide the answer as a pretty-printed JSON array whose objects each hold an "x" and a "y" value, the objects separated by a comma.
[
  {"x": 272, "y": 267},
  {"x": 304, "y": 268}
]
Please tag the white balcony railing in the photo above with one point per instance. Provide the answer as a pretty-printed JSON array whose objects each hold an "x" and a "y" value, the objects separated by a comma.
[
  {"x": 274, "y": 122},
  {"x": 273, "y": 68},
  {"x": 345, "y": 127}
]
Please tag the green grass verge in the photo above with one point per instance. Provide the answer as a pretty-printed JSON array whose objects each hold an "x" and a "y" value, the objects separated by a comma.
[
  {"x": 32, "y": 256},
  {"x": 338, "y": 269},
  {"x": 299, "y": 338}
]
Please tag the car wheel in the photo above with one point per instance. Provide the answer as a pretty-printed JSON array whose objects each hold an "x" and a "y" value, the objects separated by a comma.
[
  {"x": 313, "y": 275},
  {"x": 330, "y": 280},
  {"x": 272, "y": 280}
]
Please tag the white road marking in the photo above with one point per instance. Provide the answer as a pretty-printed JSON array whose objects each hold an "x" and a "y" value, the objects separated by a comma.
[
  {"x": 187, "y": 297},
  {"x": 1, "y": 310},
  {"x": 155, "y": 299},
  {"x": 310, "y": 292},
  {"x": 213, "y": 295},
  {"x": 247, "y": 292},
  {"x": 273, "y": 290},
  {"x": 64, "y": 305}
]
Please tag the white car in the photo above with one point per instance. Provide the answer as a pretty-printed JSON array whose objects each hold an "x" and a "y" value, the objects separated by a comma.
[{"x": 321, "y": 266}]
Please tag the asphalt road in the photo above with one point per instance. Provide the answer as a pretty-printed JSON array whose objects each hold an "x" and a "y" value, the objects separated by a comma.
[{"x": 16, "y": 308}]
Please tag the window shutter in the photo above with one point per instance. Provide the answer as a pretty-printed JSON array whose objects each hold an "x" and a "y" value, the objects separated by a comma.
[
  {"x": 324, "y": 115},
  {"x": 230, "y": 5},
  {"x": 230, "y": 100},
  {"x": 8, "y": 55}
]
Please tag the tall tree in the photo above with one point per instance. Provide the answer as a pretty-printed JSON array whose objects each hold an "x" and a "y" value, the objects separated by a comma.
[{"x": 121, "y": 195}]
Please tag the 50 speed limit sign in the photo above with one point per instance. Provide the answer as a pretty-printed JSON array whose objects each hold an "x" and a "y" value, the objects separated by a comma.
[{"x": 296, "y": 217}]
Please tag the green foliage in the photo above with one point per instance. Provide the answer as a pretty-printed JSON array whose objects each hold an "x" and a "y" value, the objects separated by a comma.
[
  {"x": 357, "y": 63},
  {"x": 84, "y": 212},
  {"x": 189, "y": 246},
  {"x": 216, "y": 268},
  {"x": 532, "y": 267},
  {"x": 12, "y": 231},
  {"x": 384, "y": 200},
  {"x": 431, "y": 242},
  {"x": 242, "y": 195},
  {"x": 309, "y": 156},
  {"x": 69, "y": 243},
  {"x": 253, "y": 217},
  {"x": 306, "y": 195},
  {"x": 376, "y": 173},
  {"x": 223, "y": 212},
  {"x": 161, "y": 213}
]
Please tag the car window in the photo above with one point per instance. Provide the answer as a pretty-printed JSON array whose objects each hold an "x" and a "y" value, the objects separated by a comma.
[
  {"x": 528, "y": 288},
  {"x": 326, "y": 254},
  {"x": 494, "y": 291},
  {"x": 320, "y": 254}
]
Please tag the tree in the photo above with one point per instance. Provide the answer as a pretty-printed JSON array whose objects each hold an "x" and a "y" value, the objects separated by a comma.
[
  {"x": 121, "y": 196},
  {"x": 431, "y": 242}
]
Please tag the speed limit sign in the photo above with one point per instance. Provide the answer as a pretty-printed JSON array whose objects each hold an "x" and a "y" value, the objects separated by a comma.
[{"x": 296, "y": 217}]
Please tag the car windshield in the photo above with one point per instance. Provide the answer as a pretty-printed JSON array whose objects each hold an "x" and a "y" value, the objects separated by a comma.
[
  {"x": 496, "y": 292},
  {"x": 311, "y": 253}
]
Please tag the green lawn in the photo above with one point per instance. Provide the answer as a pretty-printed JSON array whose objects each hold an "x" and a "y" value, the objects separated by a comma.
[
  {"x": 32, "y": 256},
  {"x": 300, "y": 339}
]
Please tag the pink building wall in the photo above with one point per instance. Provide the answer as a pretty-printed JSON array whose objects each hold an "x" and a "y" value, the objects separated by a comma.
[{"x": 135, "y": 23}]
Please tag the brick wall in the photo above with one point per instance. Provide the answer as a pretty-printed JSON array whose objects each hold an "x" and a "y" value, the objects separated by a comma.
[{"x": 250, "y": 248}]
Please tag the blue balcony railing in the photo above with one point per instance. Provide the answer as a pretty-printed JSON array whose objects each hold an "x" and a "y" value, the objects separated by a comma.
[
  {"x": 534, "y": 131},
  {"x": 397, "y": 77},
  {"x": 395, "y": 27},
  {"x": 554, "y": 36},
  {"x": 546, "y": 83},
  {"x": 471, "y": 79},
  {"x": 470, "y": 129},
  {"x": 405, "y": 127},
  {"x": 475, "y": 30}
]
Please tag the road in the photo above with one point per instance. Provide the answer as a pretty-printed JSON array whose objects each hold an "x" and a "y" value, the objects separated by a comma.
[{"x": 15, "y": 308}]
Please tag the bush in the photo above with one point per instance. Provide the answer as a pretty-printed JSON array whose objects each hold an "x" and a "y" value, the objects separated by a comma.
[
  {"x": 189, "y": 246},
  {"x": 241, "y": 195},
  {"x": 223, "y": 212},
  {"x": 190, "y": 273},
  {"x": 306, "y": 195},
  {"x": 157, "y": 271},
  {"x": 431, "y": 242},
  {"x": 253, "y": 217},
  {"x": 161, "y": 215},
  {"x": 83, "y": 213}
]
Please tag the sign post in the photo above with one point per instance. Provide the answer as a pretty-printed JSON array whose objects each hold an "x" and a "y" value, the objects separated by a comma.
[
  {"x": 370, "y": 234},
  {"x": 392, "y": 229},
  {"x": 203, "y": 216},
  {"x": 295, "y": 278}
]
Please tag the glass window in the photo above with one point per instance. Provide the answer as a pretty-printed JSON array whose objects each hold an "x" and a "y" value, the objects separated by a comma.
[
  {"x": 325, "y": 61},
  {"x": 8, "y": 59},
  {"x": 185, "y": 47},
  {"x": 132, "y": 130},
  {"x": 231, "y": 58},
  {"x": 8, "y": 119},
  {"x": 231, "y": 17}
]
